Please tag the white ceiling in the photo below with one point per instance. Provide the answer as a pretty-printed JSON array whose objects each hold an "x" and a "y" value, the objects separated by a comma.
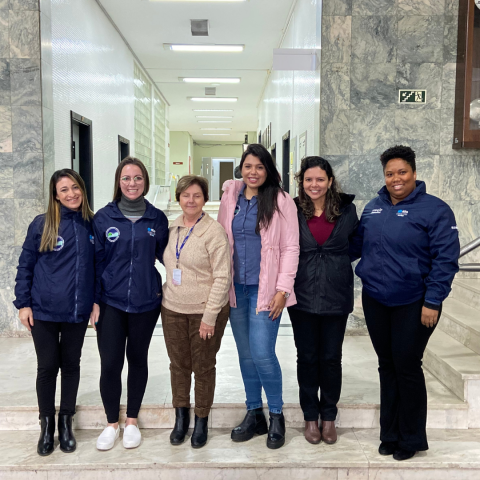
[{"x": 257, "y": 24}]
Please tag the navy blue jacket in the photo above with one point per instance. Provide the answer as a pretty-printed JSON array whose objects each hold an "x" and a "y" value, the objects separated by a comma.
[
  {"x": 125, "y": 252},
  {"x": 58, "y": 285},
  {"x": 409, "y": 250}
]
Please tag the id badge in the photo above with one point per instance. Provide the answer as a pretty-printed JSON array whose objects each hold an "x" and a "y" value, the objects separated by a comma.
[{"x": 177, "y": 276}]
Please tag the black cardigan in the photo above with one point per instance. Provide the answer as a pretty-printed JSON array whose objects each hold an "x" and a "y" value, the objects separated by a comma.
[{"x": 324, "y": 281}]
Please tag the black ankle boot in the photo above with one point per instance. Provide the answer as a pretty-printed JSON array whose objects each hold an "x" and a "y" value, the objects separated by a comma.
[
  {"x": 200, "y": 432},
  {"x": 276, "y": 431},
  {"x": 68, "y": 444},
  {"x": 47, "y": 432},
  {"x": 254, "y": 422},
  {"x": 182, "y": 421}
]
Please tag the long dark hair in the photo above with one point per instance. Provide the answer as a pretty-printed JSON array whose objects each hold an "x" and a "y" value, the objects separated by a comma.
[
  {"x": 268, "y": 192},
  {"x": 117, "y": 192},
  {"x": 332, "y": 198}
]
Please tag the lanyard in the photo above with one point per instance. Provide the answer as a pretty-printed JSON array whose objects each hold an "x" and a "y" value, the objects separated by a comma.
[{"x": 185, "y": 239}]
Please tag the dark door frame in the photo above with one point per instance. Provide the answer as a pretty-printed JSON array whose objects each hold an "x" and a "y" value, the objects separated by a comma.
[
  {"x": 125, "y": 142},
  {"x": 286, "y": 162}
]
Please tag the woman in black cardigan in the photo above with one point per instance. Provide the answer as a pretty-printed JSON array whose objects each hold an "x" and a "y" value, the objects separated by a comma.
[{"x": 324, "y": 291}]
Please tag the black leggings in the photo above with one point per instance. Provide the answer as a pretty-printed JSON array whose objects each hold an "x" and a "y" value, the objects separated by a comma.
[
  {"x": 319, "y": 341},
  {"x": 58, "y": 346},
  {"x": 399, "y": 339},
  {"x": 113, "y": 329}
]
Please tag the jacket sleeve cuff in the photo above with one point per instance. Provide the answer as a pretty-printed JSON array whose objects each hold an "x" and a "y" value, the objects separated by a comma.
[
  {"x": 431, "y": 306},
  {"x": 97, "y": 299},
  {"x": 210, "y": 318}
]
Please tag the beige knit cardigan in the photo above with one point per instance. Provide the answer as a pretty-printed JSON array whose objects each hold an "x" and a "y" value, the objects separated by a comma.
[{"x": 206, "y": 269}]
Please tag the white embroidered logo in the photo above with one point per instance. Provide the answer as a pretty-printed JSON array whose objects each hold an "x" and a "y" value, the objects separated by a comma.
[{"x": 377, "y": 210}]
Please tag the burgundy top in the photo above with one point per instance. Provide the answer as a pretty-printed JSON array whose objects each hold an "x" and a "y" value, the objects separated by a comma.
[{"x": 321, "y": 228}]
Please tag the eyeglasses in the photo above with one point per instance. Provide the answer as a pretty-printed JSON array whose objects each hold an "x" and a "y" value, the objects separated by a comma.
[{"x": 137, "y": 179}]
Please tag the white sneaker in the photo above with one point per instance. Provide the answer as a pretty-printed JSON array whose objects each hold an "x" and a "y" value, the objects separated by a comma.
[
  {"x": 131, "y": 436},
  {"x": 107, "y": 438}
]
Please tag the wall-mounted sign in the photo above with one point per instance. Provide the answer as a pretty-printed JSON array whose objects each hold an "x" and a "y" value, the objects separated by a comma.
[
  {"x": 178, "y": 163},
  {"x": 412, "y": 96}
]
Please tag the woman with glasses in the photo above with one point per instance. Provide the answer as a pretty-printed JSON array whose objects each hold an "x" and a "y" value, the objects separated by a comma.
[{"x": 130, "y": 234}]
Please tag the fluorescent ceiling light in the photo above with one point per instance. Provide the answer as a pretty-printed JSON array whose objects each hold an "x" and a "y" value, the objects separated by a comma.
[
  {"x": 213, "y": 110},
  {"x": 197, "y": 0},
  {"x": 211, "y": 116},
  {"x": 203, "y": 48},
  {"x": 209, "y": 80},
  {"x": 217, "y": 134},
  {"x": 224, "y": 129},
  {"x": 214, "y": 121},
  {"x": 213, "y": 99}
]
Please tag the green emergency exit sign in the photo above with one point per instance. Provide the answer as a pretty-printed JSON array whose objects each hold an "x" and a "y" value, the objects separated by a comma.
[{"x": 412, "y": 96}]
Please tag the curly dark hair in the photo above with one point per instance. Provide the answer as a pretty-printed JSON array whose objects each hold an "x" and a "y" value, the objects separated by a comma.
[
  {"x": 399, "y": 151},
  {"x": 332, "y": 199}
]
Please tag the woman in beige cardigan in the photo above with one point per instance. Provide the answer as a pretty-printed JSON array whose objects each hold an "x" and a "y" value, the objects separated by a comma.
[{"x": 195, "y": 306}]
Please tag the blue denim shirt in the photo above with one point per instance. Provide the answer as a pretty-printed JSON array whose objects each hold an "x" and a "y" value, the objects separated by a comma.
[{"x": 247, "y": 243}]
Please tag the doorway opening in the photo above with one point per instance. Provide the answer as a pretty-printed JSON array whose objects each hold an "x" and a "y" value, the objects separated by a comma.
[
  {"x": 82, "y": 151},
  {"x": 123, "y": 148},
  {"x": 286, "y": 162},
  {"x": 274, "y": 153},
  {"x": 217, "y": 171}
]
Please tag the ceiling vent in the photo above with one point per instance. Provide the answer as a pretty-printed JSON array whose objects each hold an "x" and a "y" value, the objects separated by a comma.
[
  {"x": 210, "y": 90},
  {"x": 199, "y": 28}
]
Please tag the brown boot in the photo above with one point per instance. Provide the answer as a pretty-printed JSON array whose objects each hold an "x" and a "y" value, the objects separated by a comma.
[
  {"x": 312, "y": 432},
  {"x": 329, "y": 432}
]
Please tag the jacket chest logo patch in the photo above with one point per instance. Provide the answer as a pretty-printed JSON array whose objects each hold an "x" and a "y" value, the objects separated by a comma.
[
  {"x": 402, "y": 213},
  {"x": 92, "y": 239},
  {"x": 112, "y": 234},
  {"x": 59, "y": 245},
  {"x": 377, "y": 210},
  {"x": 151, "y": 232}
]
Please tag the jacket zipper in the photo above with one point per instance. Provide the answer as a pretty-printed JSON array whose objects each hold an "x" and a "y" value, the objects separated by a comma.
[
  {"x": 76, "y": 268},
  {"x": 131, "y": 267}
]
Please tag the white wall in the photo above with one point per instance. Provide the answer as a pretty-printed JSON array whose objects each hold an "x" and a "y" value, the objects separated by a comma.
[{"x": 291, "y": 100}]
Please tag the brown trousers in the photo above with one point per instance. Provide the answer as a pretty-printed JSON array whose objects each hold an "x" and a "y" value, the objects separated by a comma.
[{"x": 188, "y": 352}]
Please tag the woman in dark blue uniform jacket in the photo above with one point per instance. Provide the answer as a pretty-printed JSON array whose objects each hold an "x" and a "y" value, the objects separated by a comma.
[
  {"x": 409, "y": 248},
  {"x": 54, "y": 293},
  {"x": 131, "y": 234}
]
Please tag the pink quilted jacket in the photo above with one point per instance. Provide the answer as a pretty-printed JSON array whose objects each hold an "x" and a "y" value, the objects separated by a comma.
[{"x": 280, "y": 246}]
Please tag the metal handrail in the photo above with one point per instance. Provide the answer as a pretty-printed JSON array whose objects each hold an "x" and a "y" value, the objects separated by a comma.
[{"x": 469, "y": 267}]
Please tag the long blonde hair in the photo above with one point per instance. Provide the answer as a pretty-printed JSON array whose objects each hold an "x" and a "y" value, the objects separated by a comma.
[{"x": 53, "y": 215}]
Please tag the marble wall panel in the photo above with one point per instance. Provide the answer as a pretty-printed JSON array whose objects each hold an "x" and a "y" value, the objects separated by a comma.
[
  {"x": 428, "y": 170},
  {"x": 24, "y": 5},
  {"x": 27, "y": 129},
  {"x": 420, "y": 39},
  {"x": 365, "y": 176},
  {"x": 4, "y": 81},
  {"x": 8, "y": 270},
  {"x": 6, "y": 182},
  {"x": 337, "y": 7},
  {"x": 26, "y": 88},
  {"x": 421, "y": 7},
  {"x": 9, "y": 323},
  {"x": 459, "y": 177},
  {"x": 7, "y": 233},
  {"x": 448, "y": 85},
  {"x": 28, "y": 174},
  {"x": 422, "y": 76},
  {"x": 373, "y": 85},
  {"x": 5, "y": 129},
  {"x": 4, "y": 37},
  {"x": 418, "y": 129},
  {"x": 335, "y": 126},
  {"x": 335, "y": 93},
  {"x": 24, "y": 31},
  {"x": 374, "y": 7},
  {"x": 451, "y": 7},
  {"x": 336, "y": 39},
  {"x": 375, "y": 39},
  {"x": 450, "y": 38},
  {"x": 25, "y": 211},
  {"x": 372, "y": 130},
  {"x": 339, "y": 165},
  {"x": 4, "y": 4}
]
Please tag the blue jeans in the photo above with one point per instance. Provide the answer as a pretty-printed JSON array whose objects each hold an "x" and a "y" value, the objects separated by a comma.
[{"x": 256, "y": 336}]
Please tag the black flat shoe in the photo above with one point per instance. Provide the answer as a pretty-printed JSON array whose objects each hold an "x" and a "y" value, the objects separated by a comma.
[
  {"x": 200, "y": 432},
  {"x": 401, "y": 454},
  {"x": 253, "y": 423},
  {"x": 182, "y": 421},
  {"x": 47, "y": 433},
  {"x": 68, "y": 444},
  {"x": 387, "y": 448},
  {"x": 276, "y": 431}
]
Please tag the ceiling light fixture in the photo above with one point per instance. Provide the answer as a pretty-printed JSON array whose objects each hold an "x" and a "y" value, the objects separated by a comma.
[
  {"x": 217, "y": 129},
  {"x": 207, "y": 110},
  {"x": 198, "y": 1},
  {"x": 214, "y": 121},
  {"x": 209, "y": 80},
  {"x": 217, "y": 134},
  {"x": 203, "y": 48},
  {"x": 211, "y": 116},
  {"x": 213, "y": 99}
]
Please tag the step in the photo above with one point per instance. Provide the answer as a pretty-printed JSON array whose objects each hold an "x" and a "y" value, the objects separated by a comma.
[
  {"x": 462, "y": 323},
  {"x": 451, "y": 362},
  {"x": 353, "y": 457},
  {"x": 467, "y": 290}
]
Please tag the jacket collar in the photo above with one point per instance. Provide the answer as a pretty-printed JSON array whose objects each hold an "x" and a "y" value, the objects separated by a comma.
[
  {"x": 420, "y": 189},
  {"x": 345, "y": 200},
  {"x": 234, "y": 186},
  {"x": 112, "y": 210},
  {"x": 200, "y": 228},
  {"x": 68, "y": 213}
]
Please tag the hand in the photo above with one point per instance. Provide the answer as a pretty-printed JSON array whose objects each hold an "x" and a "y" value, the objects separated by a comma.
[
  {"x": 26, "y": 317},
  {"x": 277, "y": 305},
  {"x": 206, "y": 331},
  {"x": 94, "y": 315},
  {"x": 429, "y": 317}
]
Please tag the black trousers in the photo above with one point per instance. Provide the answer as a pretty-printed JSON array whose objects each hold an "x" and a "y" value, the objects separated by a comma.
[
  {"x": 399, "y": 339},
  {"x": 59, "y": 347},
  {"x": 116, "y": 330},
  {"x": 319, "y": 340}
]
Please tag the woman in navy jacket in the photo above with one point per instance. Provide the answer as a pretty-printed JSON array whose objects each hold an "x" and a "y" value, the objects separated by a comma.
[
  {"x": 409, "y": 248},
  {"x": 131, "y": 233},
  {"x": 54, "y": 293}
]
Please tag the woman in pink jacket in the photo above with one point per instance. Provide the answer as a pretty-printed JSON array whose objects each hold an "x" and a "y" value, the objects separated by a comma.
[{"x": 261, "y": 224}]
